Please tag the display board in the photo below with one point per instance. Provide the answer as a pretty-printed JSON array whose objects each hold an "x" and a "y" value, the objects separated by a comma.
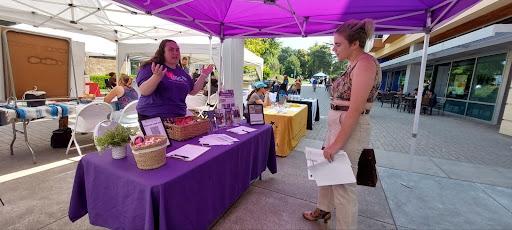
[{"x": 40, "y": 61}]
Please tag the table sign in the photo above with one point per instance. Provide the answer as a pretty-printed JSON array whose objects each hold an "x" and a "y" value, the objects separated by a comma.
[
  {"x": 154, "y": 126},
  {"x": 256, "y": 116}
]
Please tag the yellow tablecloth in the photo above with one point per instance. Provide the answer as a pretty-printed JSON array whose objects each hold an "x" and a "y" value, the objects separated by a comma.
[{"x": 289, "y": 127}]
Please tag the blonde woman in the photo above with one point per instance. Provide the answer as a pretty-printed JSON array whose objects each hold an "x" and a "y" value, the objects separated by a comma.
[
  {"x": 124, "y": 92},
  {"x": 348, "y": 124}
]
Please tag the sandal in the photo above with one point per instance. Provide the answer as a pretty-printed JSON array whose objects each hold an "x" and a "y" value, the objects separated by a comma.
[{"x": 317, "y": 214}]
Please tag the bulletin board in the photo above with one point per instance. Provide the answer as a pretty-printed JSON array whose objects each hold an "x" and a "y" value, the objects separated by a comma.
[{"x": 40, "y": 61}]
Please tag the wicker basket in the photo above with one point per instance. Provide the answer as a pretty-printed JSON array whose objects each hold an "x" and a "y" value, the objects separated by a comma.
[
  {"x": 151, "y": 156},
  {"x": 184, "y": 132}
]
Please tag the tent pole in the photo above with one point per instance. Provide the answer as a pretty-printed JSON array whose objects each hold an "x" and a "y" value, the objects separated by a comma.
[
  {"x": 210, "y": 77},
  {"x": 118, "y": 67},
  {"x": 423, "y": 67}
]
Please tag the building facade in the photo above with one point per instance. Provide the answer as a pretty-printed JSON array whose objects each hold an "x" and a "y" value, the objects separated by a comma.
[{"x": 469, "y": 63}]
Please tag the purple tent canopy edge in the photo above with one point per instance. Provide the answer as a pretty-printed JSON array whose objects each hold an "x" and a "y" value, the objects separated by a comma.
[{"x": 299, "y": 18}]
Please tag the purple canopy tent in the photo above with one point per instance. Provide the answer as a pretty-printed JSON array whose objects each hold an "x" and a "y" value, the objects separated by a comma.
[{"x": 303, "y": 18}]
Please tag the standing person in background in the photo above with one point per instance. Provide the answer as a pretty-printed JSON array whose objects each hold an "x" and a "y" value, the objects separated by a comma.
[
  {"x": 314, "y": 82},
  {"x": 348, "y": 126},
  {"x": 328, "y": 84},
  {"x": 285, "y": 82},
  {"x": 185, "y": 63}
]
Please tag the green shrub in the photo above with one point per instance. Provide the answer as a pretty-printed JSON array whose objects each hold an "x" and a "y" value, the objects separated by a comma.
[{"x": 100, "y": 79}]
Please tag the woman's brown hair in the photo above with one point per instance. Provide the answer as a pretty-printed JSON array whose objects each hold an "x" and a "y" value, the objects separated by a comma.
[
  {"x": 159, "y": 57},
  {"x": 355, "y": 30}
]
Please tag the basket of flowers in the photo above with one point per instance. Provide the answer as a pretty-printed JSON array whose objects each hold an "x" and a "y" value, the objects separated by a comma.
[{"x": 149, "y": 151}]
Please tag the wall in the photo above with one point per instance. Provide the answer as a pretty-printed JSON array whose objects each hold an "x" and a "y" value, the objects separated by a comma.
[
  {"x": 99, "y": 66},
  {"x": 506, "y": 122}
]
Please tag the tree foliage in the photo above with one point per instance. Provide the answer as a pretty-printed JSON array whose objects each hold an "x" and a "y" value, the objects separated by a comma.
[{"x": 280, "y": 60}]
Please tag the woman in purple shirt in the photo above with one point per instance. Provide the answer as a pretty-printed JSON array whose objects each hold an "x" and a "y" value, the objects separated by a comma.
[{"x": 164, "y": 85}]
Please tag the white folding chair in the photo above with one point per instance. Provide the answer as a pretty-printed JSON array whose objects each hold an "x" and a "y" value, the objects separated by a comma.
[
  {"x": 86, "y": 120},
  {"x": 100, "y": 129},
  {"x": 129, "y": 116}
]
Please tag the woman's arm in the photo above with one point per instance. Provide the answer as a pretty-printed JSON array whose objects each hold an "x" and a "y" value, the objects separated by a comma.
[
  {"x": 198, "y": 85},
  {"x": 149, "y": 86},
  {"x": 115, "y": 92},
  {"x": 363, "y": 79}
]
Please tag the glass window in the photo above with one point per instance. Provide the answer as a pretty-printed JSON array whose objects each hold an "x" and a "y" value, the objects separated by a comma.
[
  {"x": 488, "y": 78},
  {"x": 480, "y": 111},
  {"x": 428, "y": 77},
  {"x": 441, "y": 74},
  {"x": 458, "y": 107},
  {"x": 460, "y": 79}
]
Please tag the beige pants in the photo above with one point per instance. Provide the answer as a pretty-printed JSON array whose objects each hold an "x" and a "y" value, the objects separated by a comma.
[{"x": 344, "y": 197}]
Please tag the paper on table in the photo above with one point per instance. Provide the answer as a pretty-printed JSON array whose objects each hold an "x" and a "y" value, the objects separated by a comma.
[
  {"x": 241, "y": 130},
  {"x": 324, "y": 173},
  {"x": 188, "y": 152},
  {"x": 217, "y": 139}
]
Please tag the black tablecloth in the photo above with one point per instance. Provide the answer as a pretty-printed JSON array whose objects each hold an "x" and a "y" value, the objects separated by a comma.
[{"x": 310, "y": 111}]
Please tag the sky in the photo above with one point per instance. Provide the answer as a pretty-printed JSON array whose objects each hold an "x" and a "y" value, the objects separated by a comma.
[
  {"x": 99, "y": 45},
  {"x": 304, "y": 43}
]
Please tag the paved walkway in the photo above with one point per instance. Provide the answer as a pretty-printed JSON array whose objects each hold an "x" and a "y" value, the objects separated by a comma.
[{"x": 459, "y": 178}]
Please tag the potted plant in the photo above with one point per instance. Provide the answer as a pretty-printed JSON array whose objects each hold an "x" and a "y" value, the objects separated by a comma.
[{"x": 116, "y": 138}]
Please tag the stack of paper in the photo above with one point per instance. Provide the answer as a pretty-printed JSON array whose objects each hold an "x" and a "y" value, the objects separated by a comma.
[
  {"x": 217, "y": 139},
  {"x": 325, "y": 173},
  {"x": 241, "y": 130},
  {"x": 188, "y": 152}
]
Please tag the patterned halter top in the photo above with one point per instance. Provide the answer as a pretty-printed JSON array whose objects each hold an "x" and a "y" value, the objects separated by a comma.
[{"x": 342, "y": 87}]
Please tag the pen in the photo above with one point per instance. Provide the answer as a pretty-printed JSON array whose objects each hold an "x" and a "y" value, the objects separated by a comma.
[{"x": 185, "y": 157}]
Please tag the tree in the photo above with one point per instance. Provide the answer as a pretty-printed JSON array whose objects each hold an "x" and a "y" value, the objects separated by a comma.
[
  {"x": 286, "y": 52},
  {"x": 303, "y": 57},
  {"x": 268, "y": 49},
  {"x": 320, "y": 59},
  {"x": 292, "y": 66},
  {"x": 337, "y": 68}
]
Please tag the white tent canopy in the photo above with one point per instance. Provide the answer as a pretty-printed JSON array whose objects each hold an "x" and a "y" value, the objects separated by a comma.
[
  {"x": 199, "y": 54},
  {"x": 105, "y": 19}
]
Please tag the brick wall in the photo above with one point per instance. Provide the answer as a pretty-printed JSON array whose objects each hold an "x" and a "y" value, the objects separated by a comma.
[{"x": 99, "y": 66}]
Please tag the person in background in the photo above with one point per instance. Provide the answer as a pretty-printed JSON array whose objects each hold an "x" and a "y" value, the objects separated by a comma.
[
  {"x": 185, "y": 63},
  {"x": 164, "y": 85},
  {"x": 348, "y": 125},
  {"x": 314, "y": 82},
  {"x": 328, "y": 84},
  {"x": 259, "y": 95},
  {"x": 214, "y": 87},
  {"x": 298, "y": 85},
  {"x": 285, "y": 82},
  {"x": 112, "y": 80},
  {"x": 124, "y": 92},
  {"x": 196, "y": 74}
]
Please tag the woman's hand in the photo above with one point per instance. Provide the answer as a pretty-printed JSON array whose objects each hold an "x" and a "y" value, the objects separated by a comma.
[
  {"x": 158, "y": 70},
  {"x": 329, "y": 153},
  {"x": 207, "y": 70}
]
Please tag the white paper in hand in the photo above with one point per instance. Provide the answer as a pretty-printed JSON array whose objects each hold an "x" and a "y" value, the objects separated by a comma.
[{"x": 324, "y": 173}]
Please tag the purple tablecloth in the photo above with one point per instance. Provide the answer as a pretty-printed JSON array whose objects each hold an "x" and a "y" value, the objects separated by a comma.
[{"x": 179, "y": 195}]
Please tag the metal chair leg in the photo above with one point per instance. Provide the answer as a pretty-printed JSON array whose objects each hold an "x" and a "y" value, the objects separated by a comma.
[
  {"x": 13, "y": 137},
  {"x": 70, "y": 141},
  {"x": 28, "y": 143}
]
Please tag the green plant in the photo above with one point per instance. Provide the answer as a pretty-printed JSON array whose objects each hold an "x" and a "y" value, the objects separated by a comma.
[
  {"x": 100, "y": 79},
  {"x": 114, "y": 138}
]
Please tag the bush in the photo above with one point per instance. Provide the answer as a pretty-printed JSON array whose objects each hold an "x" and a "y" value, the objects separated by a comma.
[{"x": 100, "y": 79}]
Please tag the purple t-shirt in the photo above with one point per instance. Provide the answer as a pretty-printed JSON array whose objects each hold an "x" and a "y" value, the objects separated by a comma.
[{"x": 168, "y": 99}]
